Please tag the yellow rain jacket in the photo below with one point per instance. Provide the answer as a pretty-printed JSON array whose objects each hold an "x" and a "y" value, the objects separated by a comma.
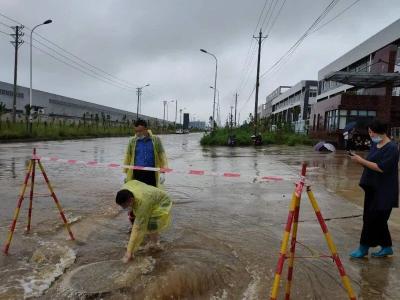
[
  {"x": 159, "y": 156},
  {"x": 152, "y": 207}
]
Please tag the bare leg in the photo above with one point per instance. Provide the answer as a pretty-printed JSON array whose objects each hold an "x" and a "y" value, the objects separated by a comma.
[
  {"x": 154, "y": 238},
  {"x": 154, "y": 243}
]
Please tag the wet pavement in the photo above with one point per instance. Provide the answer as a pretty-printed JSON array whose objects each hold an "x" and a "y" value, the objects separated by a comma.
[{"x": 225, "y": 236}]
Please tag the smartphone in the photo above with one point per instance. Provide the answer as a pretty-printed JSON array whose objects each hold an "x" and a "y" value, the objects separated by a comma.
[{"x": 350, "y": 153}]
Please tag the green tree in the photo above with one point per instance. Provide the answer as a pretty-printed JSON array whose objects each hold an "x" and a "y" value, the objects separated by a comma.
[
  {"x": 103, "y": 119},
  {"x": 84, "y": 119},
  {"x": 2, "y": 111},
  {"x": 27, "y": 114},
  {"x": 108, "y": 120},
  {"x": 96, "y": 120},
  {"x": 296, "y": 112}
]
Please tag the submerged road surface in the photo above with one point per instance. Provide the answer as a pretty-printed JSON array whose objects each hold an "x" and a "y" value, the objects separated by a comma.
[{"x": 224, "y": 240}]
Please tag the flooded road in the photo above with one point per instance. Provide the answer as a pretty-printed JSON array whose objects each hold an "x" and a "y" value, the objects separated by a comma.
[{"x": 224, "y": 240}]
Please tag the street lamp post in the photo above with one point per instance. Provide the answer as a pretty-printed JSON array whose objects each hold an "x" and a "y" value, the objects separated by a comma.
[
  {"x": 180, "y": 116},
  {"x": 215, "y": 84},
  {"x": 218, "y": 108},
  {"x": 30, "y": 86},
  {"x": 139, "y": 93},
  {"x": 176, "y": 111},
  {"x": 165, "y": 103}
]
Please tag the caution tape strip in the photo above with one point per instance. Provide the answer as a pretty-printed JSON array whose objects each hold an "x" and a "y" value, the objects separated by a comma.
[{"x": 163, "y": 170}]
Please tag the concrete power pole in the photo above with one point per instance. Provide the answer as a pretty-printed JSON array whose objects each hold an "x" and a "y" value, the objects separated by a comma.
[
  {"x": 165, "y": 103},
  {"x": 138, "y": 92},
  {"x": 176, "y": 111},
  {"x": 236, "y": 96},
  {"x": 260, "y": 38},
  {"x": 16, "y": 43},
  {"x": 231, "y": 117}
]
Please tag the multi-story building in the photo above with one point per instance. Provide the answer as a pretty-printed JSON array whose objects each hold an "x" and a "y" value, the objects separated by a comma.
[
  {"x": 360, "y": 85},
  {"x": 201, "y": 125},
  {"x": 293, "y": 105},
  {"x": 53, "y": 106}
]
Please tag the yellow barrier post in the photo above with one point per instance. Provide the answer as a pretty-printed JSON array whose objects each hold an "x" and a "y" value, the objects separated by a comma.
[
  {"x": 331, "y": 245},
  {"x": 31, "y": 174},
  {"x": 291, "y": 228}
]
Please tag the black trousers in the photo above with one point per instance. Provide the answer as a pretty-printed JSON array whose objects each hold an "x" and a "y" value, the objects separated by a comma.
[
  {"x": 375, "y": 231},
  {"x": 147, "y": 177}
]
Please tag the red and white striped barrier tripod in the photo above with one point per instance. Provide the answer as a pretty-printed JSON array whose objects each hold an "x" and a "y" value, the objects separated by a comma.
[{"x": 31, "y": 174}]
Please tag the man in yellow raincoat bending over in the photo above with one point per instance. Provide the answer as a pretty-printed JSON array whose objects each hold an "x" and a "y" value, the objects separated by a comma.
[{"x": 152, "y": 210}]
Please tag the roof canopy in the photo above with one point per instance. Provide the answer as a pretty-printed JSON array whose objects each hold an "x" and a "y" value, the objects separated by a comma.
[{"x": 365, "y": 79}]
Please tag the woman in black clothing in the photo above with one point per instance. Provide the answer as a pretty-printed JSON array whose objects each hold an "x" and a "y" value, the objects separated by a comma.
[{"x": 380, "y": 183}]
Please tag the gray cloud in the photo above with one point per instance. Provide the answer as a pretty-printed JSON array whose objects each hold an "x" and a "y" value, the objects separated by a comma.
[{"x": 158, "y": 42}]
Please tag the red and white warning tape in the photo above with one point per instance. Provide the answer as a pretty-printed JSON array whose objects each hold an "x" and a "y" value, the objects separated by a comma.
[{"x": 164, "y": 170}]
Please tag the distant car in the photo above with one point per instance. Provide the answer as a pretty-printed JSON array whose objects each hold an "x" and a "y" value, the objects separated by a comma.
[{"x": 179, "y": 131}]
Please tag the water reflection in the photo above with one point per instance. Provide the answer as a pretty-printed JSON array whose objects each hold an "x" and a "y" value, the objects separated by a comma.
[
  {"x": 13, "y": 172},
  {"x": 374, "y": 283},
  {"x": 226, "y": 231}
]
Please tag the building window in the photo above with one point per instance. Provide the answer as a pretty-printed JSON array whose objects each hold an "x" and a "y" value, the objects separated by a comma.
[
  {"x": 312, "y": 93},
  {"x": 359, "y": 116},
  {"x": 396, "y": 90},
  {"x": 331, "y": 120},
  {"x": 11, "y": 93},
  {"x": 342, "y": 118}
]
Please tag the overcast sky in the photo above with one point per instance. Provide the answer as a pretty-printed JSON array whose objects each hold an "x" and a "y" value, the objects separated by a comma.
[{"x": 158, "y": 42}]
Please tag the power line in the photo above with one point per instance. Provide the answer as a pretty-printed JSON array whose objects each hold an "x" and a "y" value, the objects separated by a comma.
[
  {"x": 248, "y": 72},
  {"x": 303, "y": 36},
  {"x": 276, "y": 17},
  {"x": 121, "y": 81},
  {"x": 259, "y": 18},
  {"x": 4, "y": 33},
  {"x": 251, "y": 52},
  {"x": 291, "y": 50},
  {"x": 4, "y": 24},
  {"x": 84, "y": 61},
  {"x": 269, "y": 13},
  {"x": 8, "y": 18},
  {"x": 81, "y": 66},
  {"x": 245, "y": 79},
  {"x": 338, "y": 15},
  {"x": 78, "y": 69}
]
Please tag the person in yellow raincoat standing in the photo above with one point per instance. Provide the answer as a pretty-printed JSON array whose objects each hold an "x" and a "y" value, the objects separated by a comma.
[
  {"x": 151, "y": 207},
  {"x": 145, "y": 150}
]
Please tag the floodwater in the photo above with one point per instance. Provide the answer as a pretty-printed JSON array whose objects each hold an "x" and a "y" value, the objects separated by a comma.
[{"x": 225, "y": 236}]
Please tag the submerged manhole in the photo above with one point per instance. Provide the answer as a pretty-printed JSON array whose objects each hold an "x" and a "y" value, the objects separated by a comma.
[{"x": 105, "y": 276}]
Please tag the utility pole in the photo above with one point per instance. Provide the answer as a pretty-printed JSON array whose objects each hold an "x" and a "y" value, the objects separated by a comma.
[
  {"x": 139, "y": 93},
  {"x": 165, "y": 103},
  {"x": 218, "y": 112},
  {"x": 236, "y": 96},
  {"x": 231, "y": 117},
  {"x": 176, "y": 111},
  {"x": 16, "y": 43},
  {"x": 260, "y": 38}
]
